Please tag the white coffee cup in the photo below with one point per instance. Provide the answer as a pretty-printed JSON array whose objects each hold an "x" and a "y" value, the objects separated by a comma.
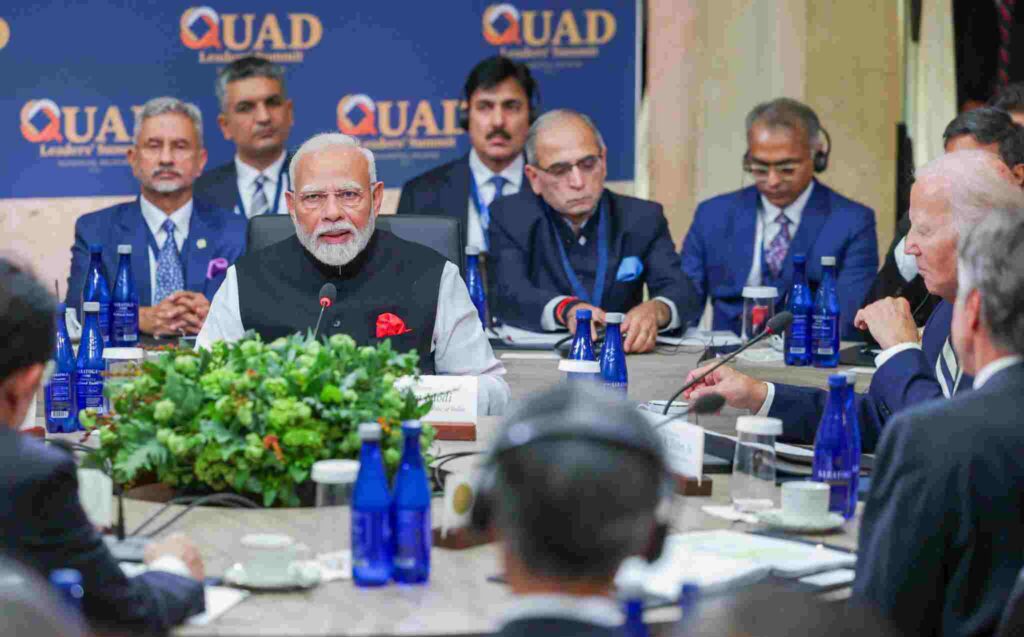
[
  {"x": 805, "y": 500},
  {"x": 269, "y": 557}
]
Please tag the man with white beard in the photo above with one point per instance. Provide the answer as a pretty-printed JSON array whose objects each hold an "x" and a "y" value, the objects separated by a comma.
[{"x": 387, "y": 287}]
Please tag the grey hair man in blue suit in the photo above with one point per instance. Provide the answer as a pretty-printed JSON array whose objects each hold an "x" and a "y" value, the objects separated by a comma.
[{"x": 942, "y": 537}]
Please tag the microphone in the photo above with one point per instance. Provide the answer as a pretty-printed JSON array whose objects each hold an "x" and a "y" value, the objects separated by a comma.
[
  {"x": 706, "y": 404},
  {"x": 328, "y": 294},
  {"x": 776, "y": 325}
]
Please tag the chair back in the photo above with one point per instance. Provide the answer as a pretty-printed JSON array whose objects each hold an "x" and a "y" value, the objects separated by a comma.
[{"x": 1012, "y": 621}]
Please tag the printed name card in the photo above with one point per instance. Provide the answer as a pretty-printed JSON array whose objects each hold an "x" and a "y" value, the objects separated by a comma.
[
  {"x": 684, "y": 448},
  {"x": 453, "y": 413}
]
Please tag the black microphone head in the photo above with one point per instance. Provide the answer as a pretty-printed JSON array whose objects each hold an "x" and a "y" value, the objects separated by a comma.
[
  {"x": 328, "y": 293},
  {"x": 707, "y": 404},
  {"x": 778, "y": 323}
]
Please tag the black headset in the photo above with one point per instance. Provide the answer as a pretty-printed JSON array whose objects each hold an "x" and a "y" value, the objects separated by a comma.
[
  {"x": 819, "y": 158},
  {"x": 520, "y": 72},
  {"x": 579, "y": 420}
]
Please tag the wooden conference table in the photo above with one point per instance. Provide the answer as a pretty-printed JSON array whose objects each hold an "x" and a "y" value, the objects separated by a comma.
[{"x": 459, "y": 600}]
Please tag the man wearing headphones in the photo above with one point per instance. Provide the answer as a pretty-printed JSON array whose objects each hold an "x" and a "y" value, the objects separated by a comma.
[
  {"x": 747, "y": 237},
  {"x": 573, "y": 485},
  {"x": 500, "y": 99}
]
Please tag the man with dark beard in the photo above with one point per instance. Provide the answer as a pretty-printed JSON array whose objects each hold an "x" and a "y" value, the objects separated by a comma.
[{"x": 388, "y": 288}]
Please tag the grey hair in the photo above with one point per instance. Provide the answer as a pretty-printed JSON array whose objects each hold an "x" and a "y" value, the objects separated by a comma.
[
  {"x": 784, "y": 112},
  {"x": 323, "y": 141},
  {"x": 568, "y": 506},
  {"x": 975, "y": 183},
  {"x": 990, "y": 256},
  {"x": 245, "y": 68},
  {"x": 549, "y": 118},
  {"x": 163, "y": 105}
]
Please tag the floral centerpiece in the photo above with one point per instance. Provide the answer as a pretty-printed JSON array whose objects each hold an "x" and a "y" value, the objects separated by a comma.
[{"x": 253, "y": 417}]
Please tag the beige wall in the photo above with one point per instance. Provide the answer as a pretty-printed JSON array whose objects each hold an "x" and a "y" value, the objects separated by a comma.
[{"x": 710, "y": 61}]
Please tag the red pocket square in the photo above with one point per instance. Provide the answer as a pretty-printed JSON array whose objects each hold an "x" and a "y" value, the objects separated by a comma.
[{"x": 389, "y": 324}]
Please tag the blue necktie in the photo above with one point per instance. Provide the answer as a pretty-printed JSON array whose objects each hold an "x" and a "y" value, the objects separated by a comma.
[
  {"x": 947, "y": 370},
  {"x": 169, "y": 274},
  {"x": 485, "y": 214}
]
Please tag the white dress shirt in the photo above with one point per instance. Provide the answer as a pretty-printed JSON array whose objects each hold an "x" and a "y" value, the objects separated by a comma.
[
  {"x": 988, "y": 371},
  {"x": 459, "y": 344},
  {"x": 155, "y": 219},
  {"x": 513, "y": 174},
  {"x": 768, "y": 227},
  {"x": 599, "y": 611},
  {"x": 247, "y": 184}
]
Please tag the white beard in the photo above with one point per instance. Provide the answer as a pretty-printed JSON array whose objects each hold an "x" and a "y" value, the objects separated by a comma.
[{"x": 337, "y": 254}]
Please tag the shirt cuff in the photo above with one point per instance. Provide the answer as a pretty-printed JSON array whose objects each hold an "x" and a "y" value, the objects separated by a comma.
[
  {"x": 547, "y": 315},
  {"x": 768, "y": 400},
  {"x": 170, "y": 564},
  {"x": 885, "y": 355},
  {"x": 673, "y": 321}
]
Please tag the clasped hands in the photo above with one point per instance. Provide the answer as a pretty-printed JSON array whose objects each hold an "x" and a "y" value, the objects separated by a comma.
[
  {"x": 182, "y": 312},
  {"x": 889, "y": 320},
  {"x": 639, "y": 328}
]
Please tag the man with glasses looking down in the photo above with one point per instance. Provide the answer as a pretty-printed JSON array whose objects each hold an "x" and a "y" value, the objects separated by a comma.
[
  {"x": 567, "y": 243},
  {"x": 748, "y": 237}
]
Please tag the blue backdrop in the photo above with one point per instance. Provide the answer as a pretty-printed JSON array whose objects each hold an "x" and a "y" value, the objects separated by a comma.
[{"x": 390, "y": 71}]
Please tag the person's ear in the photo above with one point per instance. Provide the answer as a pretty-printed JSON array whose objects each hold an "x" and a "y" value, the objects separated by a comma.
[
  {"x": 972, "y": 311},
  {"x": 1018, "y": 174},
  {"x": 534, "y": 176},
  {"x": 377, "y": 191}
]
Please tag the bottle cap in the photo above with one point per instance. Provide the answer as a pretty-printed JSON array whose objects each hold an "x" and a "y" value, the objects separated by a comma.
[
  {"x": 91, "y": 306},
  {"x": 799, "y": 258},
  {"x": 760, "y": 292},
  {"x": 851, "y": 377},
  {"x": 95, "y": 248},
  {"x": 828, "y": 260},
  {"x": 837, "y": 380},
  {"x": 759, "y": 425},
  {"x": 583, "y": 315},
  {"x": 335, "y": 471},
  {"x": 65, "y": 577},
  {"x": 579, "y": 367},
  {"x": 412, "y": 424},
  {"x": 370, "y": 431},
  {"x": 472, "y": 251},
  {"x": 614, "y": 317},
  {"x": 124, "y": 248}
]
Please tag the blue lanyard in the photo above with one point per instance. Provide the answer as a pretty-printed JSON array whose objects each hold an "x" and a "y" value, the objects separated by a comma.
[
  {"x": 482, "y": 211},
  {"x": 281, "y": 176},
  {"x": 602, "y": 257}
]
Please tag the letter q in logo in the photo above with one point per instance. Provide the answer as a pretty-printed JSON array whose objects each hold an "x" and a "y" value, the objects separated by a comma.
[
  {"x": 200, "y": 20},
  {"x": 501, "y": 24},
  {"x": 357, "y": 115},
  {"x": 50, "y": 130}
]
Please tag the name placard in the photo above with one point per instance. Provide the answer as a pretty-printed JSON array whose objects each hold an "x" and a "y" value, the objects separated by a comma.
[
  {"x": 454, "y": 412},
  {"x": 684, "y": 448}
]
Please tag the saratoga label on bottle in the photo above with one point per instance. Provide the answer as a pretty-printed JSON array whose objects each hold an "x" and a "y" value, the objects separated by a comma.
[
  {"x": 89, "y": 390},
  {"x": 824, "y": 330},
  {"x": 798, "y": 335},
  {"x": 124, "y": 328},
  {"x": 60, "y": 395}
]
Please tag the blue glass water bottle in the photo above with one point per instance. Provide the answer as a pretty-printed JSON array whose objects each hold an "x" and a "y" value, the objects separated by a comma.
[
  {"x": 834, "y": 449},
  {"x": 613, "y": 356},
  {"x": 475, "y": 283},
  {"x": 825, "y": 322},
  {"x": 97, "y": 288},
  {"x": 582, "y": 345},
  {"x": 124, "y": 303},
  {"x": 89, "y": 366},
  {"x": 68, "y": 584},
  {"x": 853, "y": 420},
  {"x": 410, "y": 512},
  {"x": 798, "y": 335},
  {"x": 60, "y": 389},
  {"x": 371, "y": 503}
]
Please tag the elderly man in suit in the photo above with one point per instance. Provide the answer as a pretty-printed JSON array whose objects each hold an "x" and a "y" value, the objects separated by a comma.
[
  {"x": 181, "y": 246},
  {"x": 500, "y": 99},
  {"x": 951, "y": 194},
  {"x": 42, "y": 519},
  {"x": 257, "y": 116},
  {"x": 568, "y": 243},
  {"x": 747, "y": 237},
  {"x": 942, "y": 537}
]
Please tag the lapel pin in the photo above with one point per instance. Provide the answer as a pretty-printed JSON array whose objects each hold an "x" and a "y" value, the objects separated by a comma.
[{"x": 201, "y": 243}]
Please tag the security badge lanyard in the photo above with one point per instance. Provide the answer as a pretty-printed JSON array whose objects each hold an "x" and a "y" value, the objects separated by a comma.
[
  {"x": 281, "y": 176},
  {"x": 482, "y": 210},
  {"x": 602, "y": 258}
]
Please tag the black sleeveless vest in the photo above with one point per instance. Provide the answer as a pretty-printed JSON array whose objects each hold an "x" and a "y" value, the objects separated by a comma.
[{"x": 278, "y": 289}]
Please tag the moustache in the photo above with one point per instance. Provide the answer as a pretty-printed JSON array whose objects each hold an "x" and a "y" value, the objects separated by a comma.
[
  {"x": 499, "y": 132},
  {"x": 336, "y": 227},
  {"x": 163, "y": 172}
]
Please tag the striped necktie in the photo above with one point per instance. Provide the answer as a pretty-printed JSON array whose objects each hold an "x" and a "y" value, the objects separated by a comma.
[
  {"x": 947, "y": 370},
  {"x": 260, "y": 205},
  {"x": 170, "y": 275},
  {"x": 775, "y": 255}
]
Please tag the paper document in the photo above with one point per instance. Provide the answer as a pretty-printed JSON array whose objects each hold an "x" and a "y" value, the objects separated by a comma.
[
  {"x": 219, "y": 600},
  {"x": 785, "y": 558}
]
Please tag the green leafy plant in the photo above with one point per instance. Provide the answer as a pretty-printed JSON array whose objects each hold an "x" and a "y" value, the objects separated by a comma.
[{"x": 252, "y": 417}]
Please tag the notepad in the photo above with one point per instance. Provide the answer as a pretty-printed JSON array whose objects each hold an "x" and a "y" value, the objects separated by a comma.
[{"x": 785, "y": 558}]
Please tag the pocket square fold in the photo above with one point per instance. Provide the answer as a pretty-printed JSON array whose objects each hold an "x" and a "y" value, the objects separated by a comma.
[
  {"x": 389, "y": 324},
  {"x": 630, "y": 269}
]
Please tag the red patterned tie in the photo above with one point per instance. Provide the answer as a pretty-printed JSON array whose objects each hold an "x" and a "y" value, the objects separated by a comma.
[{"x": 1005, "y": 10}]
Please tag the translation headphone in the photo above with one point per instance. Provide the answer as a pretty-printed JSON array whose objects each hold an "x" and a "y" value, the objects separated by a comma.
[
  {"x": 580, "y": 420},
  {"x": 819, "y": 158},
  {"x": 519, "y": 71}
]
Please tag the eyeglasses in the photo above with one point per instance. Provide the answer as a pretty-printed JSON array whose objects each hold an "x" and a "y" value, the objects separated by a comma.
[
  {"x": 760, "y": 171},
  {"x": 315, "y": 199},
  {"x": 560, "y": 170}
]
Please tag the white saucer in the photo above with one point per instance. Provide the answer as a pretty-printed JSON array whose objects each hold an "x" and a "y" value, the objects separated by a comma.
[
  {"x": 300, "y": 575},
  {"x": 777, "y": 519}
]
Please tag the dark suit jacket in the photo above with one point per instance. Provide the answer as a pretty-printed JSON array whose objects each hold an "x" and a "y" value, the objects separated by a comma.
[
  {"x": 526, "y": 271},
  {"x": 554, "y": 627},
  {"x": 223, "y": 232},
  {"x": 942, "y": 537},
  {"x": 889, "y": 281},
  {"x": 45, "y": 526},
  {"x": 219, "y": 187},
  {"x": 905, "y": 380},
  {"x": 719, "y": 250}
]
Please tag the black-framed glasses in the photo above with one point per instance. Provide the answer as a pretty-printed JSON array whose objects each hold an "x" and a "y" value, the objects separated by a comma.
[{"x": 562, "y": 169}]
